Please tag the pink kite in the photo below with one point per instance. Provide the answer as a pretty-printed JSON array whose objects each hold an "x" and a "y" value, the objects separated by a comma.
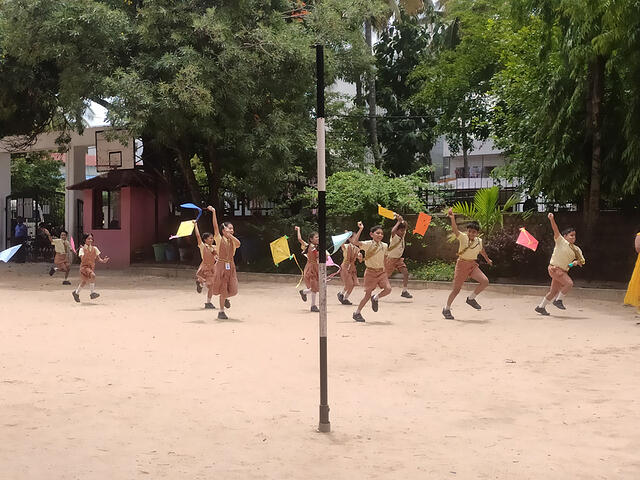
[
  {"x": 527, "y": 240},
  {"x": 73, "y": 244}
]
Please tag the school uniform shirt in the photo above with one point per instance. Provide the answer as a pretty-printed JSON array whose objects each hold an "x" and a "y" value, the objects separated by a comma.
[
  {"x": 61, "y": 246},
  {"x": 565, "y": 253},
  {"x": 469, "y": 251},
  {"x": 396, "y": 247},
  {"x": 95, "y": 249},
  {"x": 374, "y": 253},
  {"x": 210, "y": 248}
]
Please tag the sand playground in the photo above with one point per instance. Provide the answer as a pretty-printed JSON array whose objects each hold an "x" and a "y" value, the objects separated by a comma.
[{"x": 143, "y": 383}]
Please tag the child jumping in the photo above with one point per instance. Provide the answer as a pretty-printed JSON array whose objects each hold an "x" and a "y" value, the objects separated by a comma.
[
  {"x": 470, "y": 246},
  {"x": 565, "y": 255},
  {"x": 375, "y": 251},
  {"x": 206, "y": 270},
  {"x": 348, "y": 272},
  {"x": 225, "y": 281},
  {"x": 62, "y": 260},
  {"x": 88, "y": 254},
  {"x": 311, "y": 270},
  {"x": 394, "y": 260}
]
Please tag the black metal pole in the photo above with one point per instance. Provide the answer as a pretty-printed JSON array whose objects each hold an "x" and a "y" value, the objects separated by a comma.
[{"x": 324, "y": 424}]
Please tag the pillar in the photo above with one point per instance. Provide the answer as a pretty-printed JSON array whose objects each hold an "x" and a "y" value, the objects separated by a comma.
[
  {"x": 75, "y": 173},
  {"x": 5, "y": 191}
]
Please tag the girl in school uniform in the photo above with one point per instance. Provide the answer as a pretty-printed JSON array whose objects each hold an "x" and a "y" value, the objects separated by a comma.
[
  {"x": 88, "y": 254},
  {"x": 311, "y": 269},
  {"x": 375, "y": 251},
  {"x": 225, "y": 280},
  {"x": 348, "y": 272},
  {"x": 62, "y": 259},
  {"x": 394, "y": 260},
  {"x": 206, "y": 270},
  {"x": 565, "y": 255},
  {"x": 632, "y": 296},
  {"x": 470, "y": 246}
]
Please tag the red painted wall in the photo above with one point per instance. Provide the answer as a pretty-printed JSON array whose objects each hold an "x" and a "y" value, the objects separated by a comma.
[{"x": 143, "y": 234}]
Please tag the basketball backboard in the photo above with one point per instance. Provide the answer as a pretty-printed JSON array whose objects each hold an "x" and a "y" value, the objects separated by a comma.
[{"x": 112, "y": 154}]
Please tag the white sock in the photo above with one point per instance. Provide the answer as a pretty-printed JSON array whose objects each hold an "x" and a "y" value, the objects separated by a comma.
[
  {"x": 92, "y": 286},
  {"x": 544, "y": 302},
  {"x": 306, "y": 291},
  {"x": 313, "y": 298},
  {"x": 447, "y": 307},
  {"x": 375, "y": 297},
  {"x": 346, "y": 296},
  {"x": 560, "y": 296},
  {"x": 472, "y": 296},
  {"x": 78, "y": 289},
  {"x": 404, "y": 290}
]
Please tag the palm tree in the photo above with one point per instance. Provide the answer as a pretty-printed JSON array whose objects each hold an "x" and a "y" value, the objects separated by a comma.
[{"x": 485, "y": 208}]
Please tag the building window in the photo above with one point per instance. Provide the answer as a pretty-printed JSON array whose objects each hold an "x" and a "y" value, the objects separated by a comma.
[{"x": 106, "y": 209}]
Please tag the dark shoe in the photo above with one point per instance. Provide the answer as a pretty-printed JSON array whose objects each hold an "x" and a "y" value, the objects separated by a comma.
[
  {"x": 542, "y": 311},
  {"x": 472, "y": 302},
  {"x": 227, "y": 303},
  {"x": 341, "y": 297},
  {"x": 76, "y": 297},
  {"x": 447, "y": 314},
  {"x": 346, "y": 302},
  {"x": 406, "y": 294},
  {"x": 209, "y": 305},
  {"x": 52, "y": 271},
  {"x": 559, "y": 304},
  {"x": 303, "y": 295},
  {"x": 374, "y": 304},
  {"x": 314, "y": 308},
  {"x": 222, "y": 316},
  {"x": 198, "y": 287},
  {"x": 358, "y": 317},
  {"x": 66, "y": 282},
  {"x": 94, "y": 295}
]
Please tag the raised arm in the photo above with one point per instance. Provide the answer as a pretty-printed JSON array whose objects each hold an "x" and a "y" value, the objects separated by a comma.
[
  {"x": 399, "y": 221},
  {"x": 198, "y": 237},
  {"x": 214, "y": 219},
  {"x": 454, "y": 225},
  {"x": 554, "y": 226},
  {"x": 302, "y": 242},
  {"x": 355, "y": 239}
]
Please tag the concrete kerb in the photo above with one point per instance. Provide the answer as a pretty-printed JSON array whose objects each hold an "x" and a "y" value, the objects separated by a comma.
[{"x": 179, "y": 271}]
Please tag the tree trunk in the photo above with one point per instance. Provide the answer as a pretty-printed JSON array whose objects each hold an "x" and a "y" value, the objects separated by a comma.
[
  {"x": 212, "y": 168},
  {"x": 371, "y": 100},
  {"x": 596, "y": 94},
  {"x": 184, "y": 162}
]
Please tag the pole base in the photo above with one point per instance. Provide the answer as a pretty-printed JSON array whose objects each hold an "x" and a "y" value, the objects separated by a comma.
[{"x": 324, "y": 427}]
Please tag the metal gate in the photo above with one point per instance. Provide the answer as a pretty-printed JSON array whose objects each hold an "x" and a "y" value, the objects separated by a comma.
[{"x": 35, "y": 207}]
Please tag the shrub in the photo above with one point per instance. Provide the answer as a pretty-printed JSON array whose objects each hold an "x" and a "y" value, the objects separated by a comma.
[{"x": 436, "y": 270}]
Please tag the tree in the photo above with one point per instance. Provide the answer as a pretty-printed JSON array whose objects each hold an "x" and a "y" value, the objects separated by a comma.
[
  {"x": 486, "y": 209},
  {"x": 36, "y": 173}
]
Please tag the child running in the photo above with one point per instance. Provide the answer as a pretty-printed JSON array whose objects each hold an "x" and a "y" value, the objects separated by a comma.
[
  {"x": 88, "y": 254},
  {"x": 225, "y": 280},
  {"x": 206, "y": 270},
  {"x": 565, "y": 255},
  {"x": 470, "y": 246},
  {"x": 394, "y": 260},
  {"x": 632, "y": 297},
  {"x": 375, "y": 251},
  {"x": 348, "y": 272},
  {"x": 311, "y": 270},
  {"x": 62, "y": 260}
]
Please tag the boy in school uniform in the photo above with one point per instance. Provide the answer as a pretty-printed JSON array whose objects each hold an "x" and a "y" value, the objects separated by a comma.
[
  {"x": 394, "y": 260},
  {"x": 375, "y": 251}
]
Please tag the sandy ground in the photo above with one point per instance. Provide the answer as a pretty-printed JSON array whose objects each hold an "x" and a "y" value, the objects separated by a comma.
[{"x": 144, "y": 383}]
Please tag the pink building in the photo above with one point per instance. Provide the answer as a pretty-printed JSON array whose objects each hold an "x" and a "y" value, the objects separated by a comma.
[{"x": 127, "y": 211}]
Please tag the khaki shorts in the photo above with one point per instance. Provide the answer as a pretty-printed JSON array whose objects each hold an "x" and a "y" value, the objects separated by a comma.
[
  {"x": 376, "y": 278},
  {"x": 393, "y": 264},
  {"x": 464, "y": 269}
]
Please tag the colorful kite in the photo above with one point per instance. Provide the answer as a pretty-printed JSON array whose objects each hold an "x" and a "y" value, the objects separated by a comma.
[
  {"x": 280, "y": 250},
  {"x": 339, "y": 240},
  {"x": 527, "y": 240},
  {"x": 6, "y": 255},
  {"x": 422, "y": 224},
  {"x": 195, "y": 207},
  {"x": 73, "y": 244},
  {"x": 184, "y": 230},
  {"x": 386, "y": 213}
]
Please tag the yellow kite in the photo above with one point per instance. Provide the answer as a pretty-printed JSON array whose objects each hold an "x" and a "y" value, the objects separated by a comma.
[
  {"x": 185, "y": 229},
  {"x": 386, "y": 213},
  {"x": 280, "y": 250}
]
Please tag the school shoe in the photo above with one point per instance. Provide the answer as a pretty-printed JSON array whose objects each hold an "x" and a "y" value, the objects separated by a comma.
[
  {"x": 542, "y": 311},
  {"x": 358, "y": 317},
  {"x": 76, "y": 297},
  {"x": 227, "y": 303},
  {"x": 209, "y": 305},
  {"x": 341, "y": 297},
  {"x": 303, "y": 295},
  {"x": 222, "y": 316},
  {"x": 314, "y": 308},
  {"x": 559, "y": 304},
  {"x": 447, "y": 314},
  {"x": 66, "y": 282},
  {"x": 94, "y": 295},
  {"x": 198, "y": 287},
  {"x": 406, "y": 294},
  {"x": 374, "y": 304},
  {"x": 346, "y": 301},
  {"x": 52, "y": 271},
  {"x": 473, "y": 303}
]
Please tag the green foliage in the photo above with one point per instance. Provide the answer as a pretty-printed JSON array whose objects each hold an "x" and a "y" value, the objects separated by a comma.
[
  {"x": 36, "y": 173},
  {"x": 486, "y": 209},
  {"x": 434, "y": 271}
]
